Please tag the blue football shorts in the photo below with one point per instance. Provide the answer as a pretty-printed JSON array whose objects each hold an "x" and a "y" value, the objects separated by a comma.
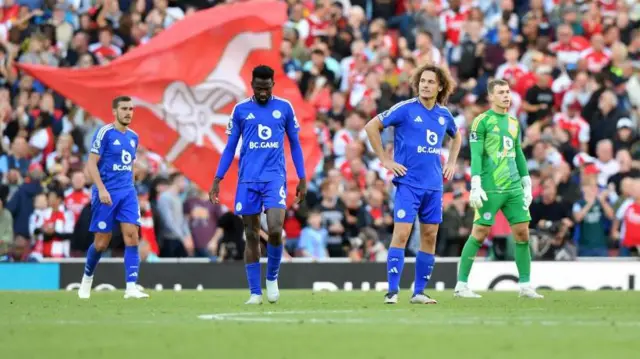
[
  {"x": 256, "y": 197},
  {"x": 411, "y": 201},
  {"x": 124, "y": 208}
]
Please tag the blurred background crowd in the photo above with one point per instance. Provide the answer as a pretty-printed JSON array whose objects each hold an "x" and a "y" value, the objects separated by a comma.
[{"x": 573, "y": 65}]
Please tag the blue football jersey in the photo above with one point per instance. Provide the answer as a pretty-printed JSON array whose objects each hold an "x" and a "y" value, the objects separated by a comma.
[
  {"x": 418, "y": 136},
  {"x": 262, "y": 129},
  {"x": 117, "y": 151}
]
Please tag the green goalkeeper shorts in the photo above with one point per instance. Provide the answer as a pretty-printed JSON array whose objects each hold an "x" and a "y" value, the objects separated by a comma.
[{"x": 511, "y": 203}]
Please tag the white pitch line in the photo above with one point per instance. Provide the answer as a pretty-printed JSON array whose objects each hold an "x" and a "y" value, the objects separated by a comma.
[{"x": 285, "y": 317}]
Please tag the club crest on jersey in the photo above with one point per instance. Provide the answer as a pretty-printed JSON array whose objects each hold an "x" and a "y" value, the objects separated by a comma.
[
  {"x": 276, "y": 114},
  {"x": 133, "y": 143},
  {"x": 441, "y": 120}
]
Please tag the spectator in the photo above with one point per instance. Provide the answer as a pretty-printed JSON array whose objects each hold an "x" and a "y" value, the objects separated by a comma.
[
  {"x": 567, "y": 188},
  {"x": 313, "y": 239},
  {"x": 604, "y": 122},
  {"x": 228, "y": 242},
  {"x": 203, "y": 218},
  {"x": 21, "y": 204},
  {"x": 457, "y": 221},
  {"x": 626, "y": 135},
  {"x": 175, "y": 235},
  {"x": 590, "y": 213},
  {"x": 77, "y": 197},
  {"x": 53, "y": 225},
  {"x": 623, "y": 158},
  {"x": 606, "y": 163},
  {"x": 548, "y": 210},
  {"x": 333, "y": 218},
  {"x": 147, "y": 228},
  {"x": 629, "y": 217},
  {"x": 380, "y": 213},
  {"x": 18, "y": 159},
  {"x": 539, "y": 99},
  {"x": 6, "y": 228}
]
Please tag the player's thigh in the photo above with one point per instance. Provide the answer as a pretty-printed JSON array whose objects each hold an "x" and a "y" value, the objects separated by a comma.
[
  {"x": 486, "y": 215},
  {"x": 127, "y": 208},
  {"x": 430, "y": 210},
  {"x": 274, "y": 194},
  {"x": 406, "y": 203},
  {"x": 248, "y": 199},
  {"x": 515, "y": 210},
  {"x": 102, "y": 215}
]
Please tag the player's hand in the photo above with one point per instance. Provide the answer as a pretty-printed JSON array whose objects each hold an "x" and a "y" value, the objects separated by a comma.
[
  {"x": 396, "y": 168},
  {"x": 449, "y": 171},
  {"x": 104, "y": 196},
  {"x": 301, "y": 191},
  {"x": 477, "y": 194},
  {"x": 215, "y": 190}
]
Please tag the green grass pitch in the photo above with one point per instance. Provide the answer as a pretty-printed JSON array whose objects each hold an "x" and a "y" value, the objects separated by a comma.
[{"x": 216, "y": 324}]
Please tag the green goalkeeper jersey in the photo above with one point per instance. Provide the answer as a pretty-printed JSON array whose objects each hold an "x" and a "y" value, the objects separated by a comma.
[{"x": 496, "y": 153}]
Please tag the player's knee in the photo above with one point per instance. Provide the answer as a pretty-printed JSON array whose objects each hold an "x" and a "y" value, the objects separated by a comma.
[
  {"x": 101, "y": 244},
  {"x": 400, "y": 236},
  {"x": 521, "y": 234},
  {"x": 427, "y": 242},
  {"x": 275, "y": 232},
  {"x": 131, "y": 239},
  {"x": 480, "y": 233}
]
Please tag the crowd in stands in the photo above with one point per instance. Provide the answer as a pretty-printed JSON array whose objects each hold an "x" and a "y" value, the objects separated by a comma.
[{"x": 574, "y": 68}]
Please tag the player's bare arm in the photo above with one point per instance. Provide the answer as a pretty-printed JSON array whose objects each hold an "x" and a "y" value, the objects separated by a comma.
[
  {"x": 374, "y": 129},
  {"x": 454, "y": 150},
  {"x": 92, "y": 169}
]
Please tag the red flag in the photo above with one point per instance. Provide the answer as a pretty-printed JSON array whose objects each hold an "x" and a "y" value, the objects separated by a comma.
[{"x": 185, "y": 82}]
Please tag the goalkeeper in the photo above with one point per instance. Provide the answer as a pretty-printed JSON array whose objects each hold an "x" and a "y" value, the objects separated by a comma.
[{"x": 499, "y": 181}]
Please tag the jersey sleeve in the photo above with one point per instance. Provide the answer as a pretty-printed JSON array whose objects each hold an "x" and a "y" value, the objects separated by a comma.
[
  {"x": 521, "y": 160},
  {"x": 476, "y": 142},
  {"x": 234, "y": 126},
  {"x": 393, "y": 116},
  {"x": 99, "y": 142},
  {"x": 292, "y": 125},
  {"x": 451, "y": 129}
]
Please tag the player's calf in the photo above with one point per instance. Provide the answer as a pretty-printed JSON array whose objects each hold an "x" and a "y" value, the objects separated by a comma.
[
  {"x": 252, "y": 256},
  {"x": 94, "y": 253},
  {"x": 425, "y": 261},
  {"x": 131, "y": 261},
  {"x": 275, "y": 221},
  {"x": 478, "y": 234},
  {"x": 395, "y": 260}
]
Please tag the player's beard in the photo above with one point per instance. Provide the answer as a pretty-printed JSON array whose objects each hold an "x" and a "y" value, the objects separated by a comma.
[
  {"x": 123, "y": 121},
  {"x": 263, "y": 101}
]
